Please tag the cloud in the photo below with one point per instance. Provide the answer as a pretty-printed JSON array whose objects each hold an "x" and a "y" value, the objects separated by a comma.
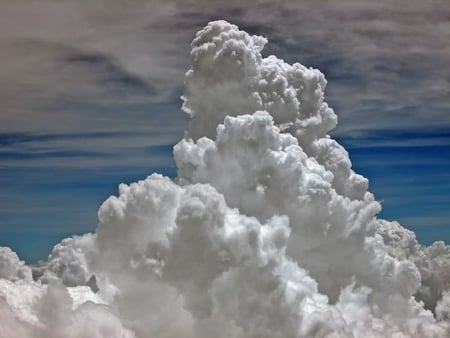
[
  {"x": 267, "y": 231},
  {"x": 381, "y": 58},
  {"x": 84, "y": 150},
  {"x": 432, "y": 261},
  {"x": 11, "y": 267},
  {"x": 384, "y": 59},
  {"x": 416, "y": 138}
]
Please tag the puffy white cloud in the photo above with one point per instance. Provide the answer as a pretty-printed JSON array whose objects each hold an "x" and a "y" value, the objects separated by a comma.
[
  {"x": 266, "y": 232},
  {"x": 433, "y": 261},
  {"x": 68, "y": 261},
  {"x": 31, "y": 309},
  {"x": 11, "y": 267}
]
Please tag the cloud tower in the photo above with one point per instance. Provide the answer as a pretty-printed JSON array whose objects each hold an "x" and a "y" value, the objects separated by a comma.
[{"x": 266, "y": 232}]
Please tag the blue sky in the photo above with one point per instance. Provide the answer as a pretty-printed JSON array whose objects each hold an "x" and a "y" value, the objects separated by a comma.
[
  {"x": 90, "y": 98},
  {"x": 409, "y": 174}
]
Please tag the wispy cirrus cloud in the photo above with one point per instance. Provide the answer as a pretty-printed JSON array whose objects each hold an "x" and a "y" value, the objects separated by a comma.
[
  {"x": 84, "y": 150},
  {"x": 397, "y": 138},
  {"x": 385, "y": 61}
]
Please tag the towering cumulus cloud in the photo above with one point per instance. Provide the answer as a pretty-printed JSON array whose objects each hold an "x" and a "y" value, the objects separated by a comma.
[{"x": 266, "y": 232}]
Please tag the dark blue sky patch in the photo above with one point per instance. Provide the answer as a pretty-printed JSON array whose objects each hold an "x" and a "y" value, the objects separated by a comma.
[
  {"x": 428, "y": 234},
  {"x": 33, "y": 245},
  {"x": 164, "y": 149},
  {"x": 412, "y": 181},
  {"x": 56, "y": 203}
]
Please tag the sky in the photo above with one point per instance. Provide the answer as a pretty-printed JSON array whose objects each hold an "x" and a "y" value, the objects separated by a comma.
[{"x": 90, "y": 97}]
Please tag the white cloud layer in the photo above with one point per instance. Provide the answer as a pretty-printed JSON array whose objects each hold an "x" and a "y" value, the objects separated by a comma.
[{"x": 266, "y": 232}]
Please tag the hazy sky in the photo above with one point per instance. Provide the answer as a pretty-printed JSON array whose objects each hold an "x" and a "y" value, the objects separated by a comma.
[{"x": 90, "y": 98}]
